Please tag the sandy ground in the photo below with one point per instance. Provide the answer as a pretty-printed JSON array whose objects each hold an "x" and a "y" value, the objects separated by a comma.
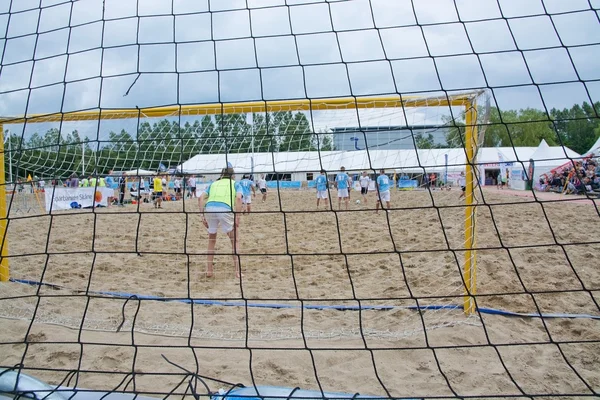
[{"x": 532, "y": 256}]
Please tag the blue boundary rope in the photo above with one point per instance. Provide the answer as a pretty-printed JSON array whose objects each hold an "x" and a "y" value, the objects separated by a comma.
[{"x": 483, "y": 310}]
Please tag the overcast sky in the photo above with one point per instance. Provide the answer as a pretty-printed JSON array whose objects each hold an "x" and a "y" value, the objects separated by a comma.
[{"x": 61, "y": 55}]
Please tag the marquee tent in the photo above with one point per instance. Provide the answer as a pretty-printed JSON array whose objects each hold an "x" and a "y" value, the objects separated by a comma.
[
  {"x": 548, "y": 158},
  {"x": 138, "y": 172},
  {"x": 594, "y": 151},
  {"x": 298, "y": 164}
]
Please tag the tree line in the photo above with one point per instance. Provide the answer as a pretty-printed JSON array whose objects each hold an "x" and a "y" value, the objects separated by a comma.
[
  {"x": 169, "y": 143},
  {"x": 577, "y": 128},
  {"x": 163, "y": 142}
]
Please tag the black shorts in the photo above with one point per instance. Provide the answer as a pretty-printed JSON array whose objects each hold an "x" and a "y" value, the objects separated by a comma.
[
  {"x": 263, "y": 190},
  {"x": 364, "y": 190},
  {"x": 177, "y": 190},
  {"x": 193, "y": 189},
  {"x": 463, "y": 188},
  {"x": 157, "y": 195}
]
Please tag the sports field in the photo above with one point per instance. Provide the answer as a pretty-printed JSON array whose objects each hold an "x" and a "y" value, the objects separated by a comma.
[{"x": 532, "y": 257}]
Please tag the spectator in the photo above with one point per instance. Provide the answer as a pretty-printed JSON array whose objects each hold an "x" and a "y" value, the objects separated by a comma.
[
  {"x": 122, "y": 186},
  {"x": 177, "y": 188}
]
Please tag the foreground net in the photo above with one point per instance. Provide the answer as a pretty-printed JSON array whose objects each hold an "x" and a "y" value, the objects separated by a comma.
[{"x": 459, "y": 289}]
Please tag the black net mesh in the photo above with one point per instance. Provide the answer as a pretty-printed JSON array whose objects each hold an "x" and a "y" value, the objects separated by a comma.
[{"x": 477, "y": 277}]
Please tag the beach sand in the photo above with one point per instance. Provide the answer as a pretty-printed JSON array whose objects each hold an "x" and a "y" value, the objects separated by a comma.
[{"x": 532, "y": 257}]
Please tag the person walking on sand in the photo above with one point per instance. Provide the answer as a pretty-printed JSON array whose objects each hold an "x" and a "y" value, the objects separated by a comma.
[
  {"x": 365, "y": 181},
  {"x": 462, "y": 182},
  {"x": 262, "y": 186},
  {"x": 383, "y": 191},
  {"x": 158, "y": 191},
  {"x": 222, "y": 211}
]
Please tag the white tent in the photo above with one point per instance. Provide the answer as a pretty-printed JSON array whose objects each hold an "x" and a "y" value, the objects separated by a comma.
[
  {"x": 547, "y": 158},
  {"x": 138, "y": 172},
  {"x": 298, "y": 164},
  {"x": 594, "y": 151},
  {"x": 432, "y": 160}
]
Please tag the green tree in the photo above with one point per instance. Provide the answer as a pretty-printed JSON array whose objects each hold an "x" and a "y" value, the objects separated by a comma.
[
  {"x": 424, "y": 142},
  {"x": 295, "y": 133},
  {"x": 526, "y": 127},
  {"x": 578, "y": 127}
]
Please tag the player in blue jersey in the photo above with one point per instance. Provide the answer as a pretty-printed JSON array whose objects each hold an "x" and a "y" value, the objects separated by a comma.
[
  {"x": 383, "y": 191},
  {"x": 246, "y": 185},
  {"x": 342, "y": 184},
  {"x": 322, "y": 192}
]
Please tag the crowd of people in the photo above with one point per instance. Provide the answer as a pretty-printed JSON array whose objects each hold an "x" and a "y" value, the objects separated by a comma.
[{"x": 582, "y": 177}]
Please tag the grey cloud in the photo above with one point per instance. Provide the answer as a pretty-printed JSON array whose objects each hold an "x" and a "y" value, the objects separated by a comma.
[
  {"x": 243, "y": 49},
  {"x": 360, "y": 46},
  {"x": 310, "y": 18},
  {"x": 55, "y": 17},
  {"x": 435, "y": 11},
  {"x": 404, "y": 42},
  {"x": 384, "y": 84},
  {"x": 574, "y": 37},
  {"x": 472, "y": 10},
  {"x": 481, "y": 32},
  {"x": 270, "y": 21},
  {"x": 278, "y": 51},
  {"x": 519, "y": 8},
  {"x": 156, "y": 30},
  {"x": 195, "y": 56},
  {"x": 527, "y": 38},
  {"x": 86, "y": 11},
  {"x": 282, "y": 83},
  {"x": 362, "y": 78},
  {"x": 549, "y": 66},
  {"x": 503, "y": 69},
  {"x": 319, "y": 48},
  {"x": 351, "y": 15},
  {"x": 443, "y": 40},
  {"x": 391, "y": 13}
]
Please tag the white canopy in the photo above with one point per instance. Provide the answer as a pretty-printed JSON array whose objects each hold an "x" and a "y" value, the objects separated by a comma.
[
  {"x": 547, "y": 158},
  {"x": 138, "y": 172},
  {"x": 313, "y": 161},
  {"x": 409, "y": 161},
  {"x": 594, "y": 151}
]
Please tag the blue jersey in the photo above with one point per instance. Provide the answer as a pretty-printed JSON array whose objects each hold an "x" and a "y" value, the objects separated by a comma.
[
  {"x": 321, "y": 183},
  {"x": 342, "y": 180},
  {"x": 383, "y": 181},
  {"x": 110, "y": 182},
  {"x": 245, "y": 185}
]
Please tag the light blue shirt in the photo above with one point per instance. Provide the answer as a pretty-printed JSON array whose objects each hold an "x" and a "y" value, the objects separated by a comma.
[
  {"x": 245, "y": 185},
  {"x": 321, "y": 183},
  {"x": 110, "y": 182},
  {"x": 383, "y": 181},
  {"x": 342, "y": 180}
]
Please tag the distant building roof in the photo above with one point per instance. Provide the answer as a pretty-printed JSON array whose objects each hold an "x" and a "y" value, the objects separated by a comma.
[{"x": 386, "y": 128}]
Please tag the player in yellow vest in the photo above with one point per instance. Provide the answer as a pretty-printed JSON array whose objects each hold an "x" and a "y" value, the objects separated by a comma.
[
  {"x": 222, "y": 211},
  {"x": 158, "y": 191}
]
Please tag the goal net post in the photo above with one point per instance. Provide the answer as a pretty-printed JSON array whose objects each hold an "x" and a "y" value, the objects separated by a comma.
[{"x": 361, "y": 113}]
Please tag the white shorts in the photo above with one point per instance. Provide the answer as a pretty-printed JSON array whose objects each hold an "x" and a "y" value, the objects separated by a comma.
[
  {"x": 384, "y": 196},
  {"x": 247, "y": 199},
  {"x": 343, "y": 193},
  {"x": 219, "y": 218},
  {"x": 322, "y": 194}
]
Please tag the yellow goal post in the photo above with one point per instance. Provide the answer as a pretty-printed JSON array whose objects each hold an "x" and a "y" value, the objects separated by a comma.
[{"x": 466, "y": 100}]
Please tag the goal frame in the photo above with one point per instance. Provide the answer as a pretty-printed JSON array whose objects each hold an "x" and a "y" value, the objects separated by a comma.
[{"x": 468, "y": 100}]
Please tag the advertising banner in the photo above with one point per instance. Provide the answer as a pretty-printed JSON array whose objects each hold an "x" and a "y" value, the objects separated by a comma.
[{"x": 69, "y": 198}]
